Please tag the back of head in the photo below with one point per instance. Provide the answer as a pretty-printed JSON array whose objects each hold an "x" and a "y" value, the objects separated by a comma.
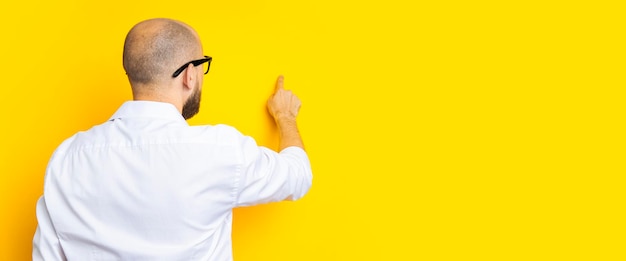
[{"x": 155, "y": 48}]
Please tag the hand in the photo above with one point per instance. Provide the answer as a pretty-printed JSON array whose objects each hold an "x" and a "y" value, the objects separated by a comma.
[{"x": 283, "y": 104}]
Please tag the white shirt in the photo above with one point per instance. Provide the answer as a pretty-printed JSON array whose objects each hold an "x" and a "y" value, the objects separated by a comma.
[{"x": 147, "y": 186}]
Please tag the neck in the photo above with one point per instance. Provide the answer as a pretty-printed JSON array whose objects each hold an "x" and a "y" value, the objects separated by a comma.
[{"x": 159, "y": 97}]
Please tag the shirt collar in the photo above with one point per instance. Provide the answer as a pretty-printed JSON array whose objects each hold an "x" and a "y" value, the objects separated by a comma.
[{"x": 148, "y": 109}]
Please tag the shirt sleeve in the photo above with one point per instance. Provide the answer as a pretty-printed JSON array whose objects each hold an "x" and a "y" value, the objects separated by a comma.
[
  {"x": 46, "y": 245},
  {"x": 269, "y": 176}
]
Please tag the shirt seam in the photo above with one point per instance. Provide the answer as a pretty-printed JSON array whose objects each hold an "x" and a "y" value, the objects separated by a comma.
[
  {"x": 131, "y": 144},
  {"x": 236, "y": 184}
]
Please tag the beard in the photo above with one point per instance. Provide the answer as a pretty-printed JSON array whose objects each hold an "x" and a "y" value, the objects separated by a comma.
[{"x": 192, "y": 105}]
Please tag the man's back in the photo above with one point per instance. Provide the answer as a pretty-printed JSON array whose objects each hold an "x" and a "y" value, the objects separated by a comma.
[{"x": 146, "y": 186}]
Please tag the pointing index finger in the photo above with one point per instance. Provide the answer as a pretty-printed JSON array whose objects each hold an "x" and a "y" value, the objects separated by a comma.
[{"x": 280, "y": 82}]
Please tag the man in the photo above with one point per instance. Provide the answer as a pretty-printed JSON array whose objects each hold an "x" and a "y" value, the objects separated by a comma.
[{"x": 147, "y": 186}]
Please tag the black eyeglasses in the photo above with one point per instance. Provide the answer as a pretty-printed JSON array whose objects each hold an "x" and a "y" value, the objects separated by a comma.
[{"x": 207, "y": 59}]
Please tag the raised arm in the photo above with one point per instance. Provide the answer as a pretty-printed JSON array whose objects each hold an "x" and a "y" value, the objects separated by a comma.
[
  {"x": 283, "y": 105},
  {"x": 269, "y": 176}
]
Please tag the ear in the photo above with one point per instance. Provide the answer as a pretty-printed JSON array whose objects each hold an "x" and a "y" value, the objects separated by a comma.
[{"x": 189, "y": 77}]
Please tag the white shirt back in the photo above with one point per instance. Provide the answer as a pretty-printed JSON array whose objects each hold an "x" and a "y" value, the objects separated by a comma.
[{"x": 147, "y": 186}]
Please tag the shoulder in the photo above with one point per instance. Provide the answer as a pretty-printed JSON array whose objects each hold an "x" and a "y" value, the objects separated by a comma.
[
  {"x": 86, "y": 138},
  {"x": 226, "y": 130},
  {"x": 221, "y": 133},
  {"x": 66, "y": 144}
]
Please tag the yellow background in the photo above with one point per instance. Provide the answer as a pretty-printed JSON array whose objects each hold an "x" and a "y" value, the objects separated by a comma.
[{"x": 437, "y": 130}]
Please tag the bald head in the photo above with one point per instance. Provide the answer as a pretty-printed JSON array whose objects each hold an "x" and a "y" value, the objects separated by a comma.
[{"x": 155, "y": 48}]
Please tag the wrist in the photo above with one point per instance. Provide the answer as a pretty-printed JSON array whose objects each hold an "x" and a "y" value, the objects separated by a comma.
[{"x": 284, "y": 118}]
